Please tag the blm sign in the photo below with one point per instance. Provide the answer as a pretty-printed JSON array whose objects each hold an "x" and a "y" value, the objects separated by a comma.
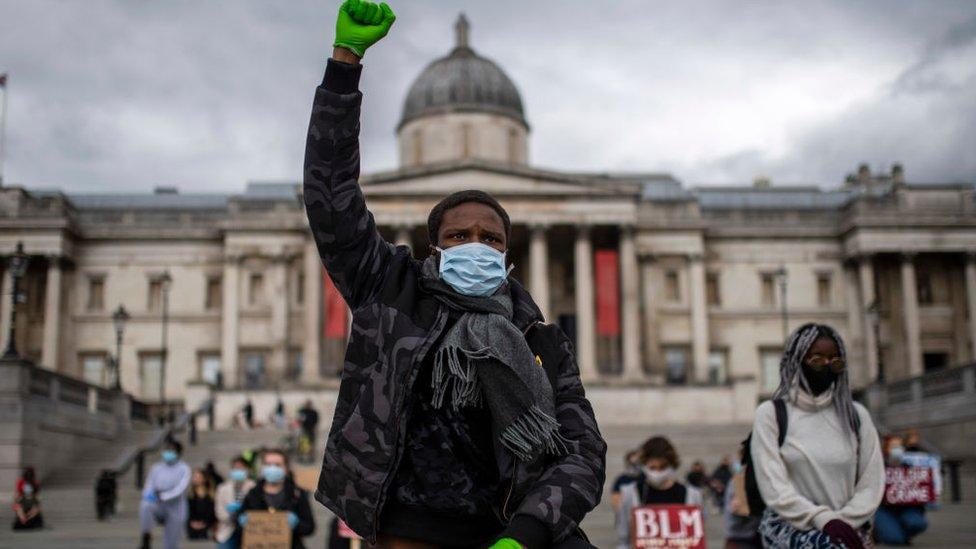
[
  {"x": 908, "y": 486},
  {"x": 668, "y": 526}
]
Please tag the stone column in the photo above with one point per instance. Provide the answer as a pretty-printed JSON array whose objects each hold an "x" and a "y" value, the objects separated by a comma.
[
  {"x": 652, "y": 346},
  {"x": 868, "y": 299},
  {"x": 699, "y": 317},
  {"x": 539, "y": 269},
  {"x": 630, "y": 309},
  {"x": 909, "y": 295},
  {"x": 279, "y": 315},
  {"x": 971, "y": 301},
  {"x": 403, "y": 236},
  {"x": 52, "y": 315},
  {"x": 585, "y": 314},
  {"x": 855, "y": 331},
  {"x": 7, "y": 288},
  {"x": 312, "y": 345},
  {"x": 230, "y": 318}
]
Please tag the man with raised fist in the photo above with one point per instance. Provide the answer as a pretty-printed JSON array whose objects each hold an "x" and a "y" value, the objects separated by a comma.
[{"x": 461, "y": 420}]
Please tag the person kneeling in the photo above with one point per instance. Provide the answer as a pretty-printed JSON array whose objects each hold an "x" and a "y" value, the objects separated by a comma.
[{"x": 277, "y": 491}]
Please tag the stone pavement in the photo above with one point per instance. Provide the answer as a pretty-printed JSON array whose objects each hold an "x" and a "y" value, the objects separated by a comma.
[{"x": 68, "y": 498}]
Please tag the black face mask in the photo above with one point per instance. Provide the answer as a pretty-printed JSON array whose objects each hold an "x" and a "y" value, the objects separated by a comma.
[{"x": 818, "y": 381}]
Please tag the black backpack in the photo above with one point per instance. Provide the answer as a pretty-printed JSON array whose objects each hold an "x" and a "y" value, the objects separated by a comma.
[{"x": 753, "y": 497}]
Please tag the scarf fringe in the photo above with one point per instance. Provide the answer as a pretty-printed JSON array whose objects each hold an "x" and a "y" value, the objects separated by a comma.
[
  {"x": 533, "y": 430},
  {"x": 452, "y": 373}
]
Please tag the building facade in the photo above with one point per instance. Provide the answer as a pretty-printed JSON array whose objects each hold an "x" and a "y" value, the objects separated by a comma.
[{"x": 666, "y": 289}]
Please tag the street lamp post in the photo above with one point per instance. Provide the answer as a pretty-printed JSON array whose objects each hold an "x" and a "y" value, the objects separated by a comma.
[
  {"x": 165, "y": 281},
  {"x": 781, "y": 279},
  {"x": 119, "y": 317},
  {"x": 17, "y": 266}
]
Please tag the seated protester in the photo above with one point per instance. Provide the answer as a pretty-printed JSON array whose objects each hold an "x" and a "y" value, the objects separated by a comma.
[
  {"x": 696, "y": 476},
  {"x": 27, "y": 506},
  {"x": 277, "y": 491},
  {"x": 657, "y": 483},
  {"x": 823, "y": 484},
  {"x": 230, "y": 496},
  {"x": 898, "y": 524},
  {"x": 631, "y": 474},
  {"x": 201, "y": 519},
  {"x": 741, "y": 529}
]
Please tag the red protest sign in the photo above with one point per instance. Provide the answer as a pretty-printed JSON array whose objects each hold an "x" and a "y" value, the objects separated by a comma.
[
  {"x": 908, "y": 486},
  {"x": 668, "y": 526},
  {"x": 346, "y": 532}
]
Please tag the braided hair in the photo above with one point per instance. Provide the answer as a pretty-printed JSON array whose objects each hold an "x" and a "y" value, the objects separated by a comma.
[{"x": 791, "y": 371}]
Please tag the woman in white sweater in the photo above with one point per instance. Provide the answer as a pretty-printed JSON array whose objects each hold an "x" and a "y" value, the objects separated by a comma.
[{"x": 822, "y": 486}]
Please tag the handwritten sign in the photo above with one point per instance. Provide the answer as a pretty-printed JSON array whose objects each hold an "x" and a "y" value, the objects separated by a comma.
[
  {"x": 668, "y": 526},
  {"x": 908, "y": 486},
  {"x": 267, "y": 530}
]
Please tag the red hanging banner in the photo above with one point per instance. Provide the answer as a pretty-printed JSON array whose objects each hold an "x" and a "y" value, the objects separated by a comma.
[
  {"x": 335, "y": 323},
  {"x": 607, "y": 292}
]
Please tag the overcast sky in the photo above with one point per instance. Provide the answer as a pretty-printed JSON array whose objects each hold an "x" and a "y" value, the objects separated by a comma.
[{"x": 107, "y": 96}]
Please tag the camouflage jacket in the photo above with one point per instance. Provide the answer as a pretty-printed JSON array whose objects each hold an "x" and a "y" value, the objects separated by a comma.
[{"x": 394, "y": 325}]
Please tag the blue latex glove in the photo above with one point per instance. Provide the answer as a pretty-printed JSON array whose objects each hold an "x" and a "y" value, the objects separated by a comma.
[
  {"x": 242, "y": 520},
  {"x": 292, "y": 520},
  {"x": 151, "y": 497},
  {"x": 233, "y": 507}
]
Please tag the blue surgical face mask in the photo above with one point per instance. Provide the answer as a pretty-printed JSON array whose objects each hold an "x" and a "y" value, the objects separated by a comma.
[
  {"x": 28, "y": 489},
  {"x": 273, "y": 473},
  {"x": 238, "y": 475},
  {"x": 473, "y": 269},
  {"x": 170, "y": 456}
]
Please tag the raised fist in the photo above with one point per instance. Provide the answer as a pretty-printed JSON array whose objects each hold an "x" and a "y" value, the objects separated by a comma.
[{"x": 361, "y": 24}]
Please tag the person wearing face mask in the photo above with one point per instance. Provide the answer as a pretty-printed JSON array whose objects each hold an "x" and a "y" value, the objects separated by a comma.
[
  {"x": 898, "y": 524},
  {"x": 631, "y": 473},
  {"x": 657, "y": 483},
  {"x": 461, "y": 419},
  {"x": 276, "y": 490},
  {"x": 27, "y": 504},
  {"x": 164, "y": 497},
  {"x": 227, "y": 503},
  {"x": 823, "y": 484},
  {"x": 741, "y": 529}
]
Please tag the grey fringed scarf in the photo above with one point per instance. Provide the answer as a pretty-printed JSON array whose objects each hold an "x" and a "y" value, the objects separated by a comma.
[{"x": 484, "y": 359}]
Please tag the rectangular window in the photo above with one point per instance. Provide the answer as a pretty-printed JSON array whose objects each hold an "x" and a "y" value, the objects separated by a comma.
[
  {"x": 294, "y": 369},
  {"x": 214, "y": 297},
  {"x": 96, "y": 293},
  {"x": 154, "y": 301},
  {"x": 768, "y": 281},
  {"x": 150, "y": 369},
  {"x": 254, "y": 363},
  {"x": 712, "y": 289},
  {"x": 933, "y": 362},
  {"x": 769, "y": 359},
  {"x": 717, "y": 366},
  {"x": 672, "y": 289},
  {"x": 824, "y": 289},
  {"x": 676, "y": 360},
  {"x": 93, "y": 368},
  {"x": 210, "y": 368},
  {"x": 255, "y": 290}
]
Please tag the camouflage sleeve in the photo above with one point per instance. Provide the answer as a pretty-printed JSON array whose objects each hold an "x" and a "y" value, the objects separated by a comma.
[
  {"x": 351, "y": 248},
  {"x": 572, "y": 485}
]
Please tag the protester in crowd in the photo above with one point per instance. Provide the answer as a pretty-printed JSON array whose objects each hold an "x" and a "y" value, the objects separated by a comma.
[
  {"x": 164, "y": 497},
  {"x": 27, "y": 503},
  {"x": 823, "y": 485},
  {"x": 105, "y": 494},
  {"x": 213, "y": 476},
  {"x": 913, "y": 441},
  {"x": 453, "y": 390},
  {"x": 696, "y": 475},
  {"x": 201, "y": 518},
  {"x": 278, "y": 417},
  {"x": 308, "y": 419},
  {"x": 230, "y": 496},
  {"x": 631, "y": 473},
  {"x": 719, "y": 480},
  {"x": 657, "y": 483},
  {"x": 248, "y": 412},
  {"x": 741, "y": 528},
  {"x": 277, "y": 491},
  {"x": 898, "y": 524}
]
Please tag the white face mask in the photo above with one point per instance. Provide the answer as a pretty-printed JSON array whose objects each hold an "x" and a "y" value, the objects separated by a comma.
[
  {"x": 658, "y": 479},
  {"x": 895, "y": 455}
]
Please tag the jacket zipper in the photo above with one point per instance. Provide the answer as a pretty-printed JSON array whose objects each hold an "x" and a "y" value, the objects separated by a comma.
[
  {"x": 396, "y": 430},
  {"x": 511, "y": 487}
]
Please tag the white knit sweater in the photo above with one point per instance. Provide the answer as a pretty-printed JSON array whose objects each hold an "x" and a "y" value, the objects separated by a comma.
[{"x": 812, "y": 479}]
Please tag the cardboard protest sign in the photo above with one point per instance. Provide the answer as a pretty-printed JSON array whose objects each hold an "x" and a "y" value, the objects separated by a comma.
[
  {"x": 267, "y": 530},
  {"x": 668, "y": 526},
  {"x": 908, "y": 486}
]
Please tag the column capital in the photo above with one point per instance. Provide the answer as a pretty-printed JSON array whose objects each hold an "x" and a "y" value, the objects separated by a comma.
[
  {"x": 908, "y": 257},
  {"x": 695, "y": 257},
  {"x": 234, "y": 259}
]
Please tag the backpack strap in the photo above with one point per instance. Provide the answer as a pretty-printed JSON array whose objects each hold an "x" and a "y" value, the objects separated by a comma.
[{"x": 782, "y": 420}]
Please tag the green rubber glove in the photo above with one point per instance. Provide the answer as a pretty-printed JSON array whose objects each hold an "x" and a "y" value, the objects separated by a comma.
[
  {"x": 506, "y": 543},
  {"x": 361, "y": 24}
]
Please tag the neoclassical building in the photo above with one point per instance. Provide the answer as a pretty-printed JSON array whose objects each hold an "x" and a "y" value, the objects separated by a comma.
[{"x": 672, "y": 293}]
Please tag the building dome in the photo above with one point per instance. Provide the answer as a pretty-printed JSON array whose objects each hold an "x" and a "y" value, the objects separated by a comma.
[{"x": 462, "y": 81}]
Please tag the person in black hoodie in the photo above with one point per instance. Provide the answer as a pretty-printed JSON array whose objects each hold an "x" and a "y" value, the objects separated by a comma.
[{"x": 276, "y": 490}]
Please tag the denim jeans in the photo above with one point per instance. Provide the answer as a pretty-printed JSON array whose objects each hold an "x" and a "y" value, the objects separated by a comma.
[{"x": 898, "y": 525}]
